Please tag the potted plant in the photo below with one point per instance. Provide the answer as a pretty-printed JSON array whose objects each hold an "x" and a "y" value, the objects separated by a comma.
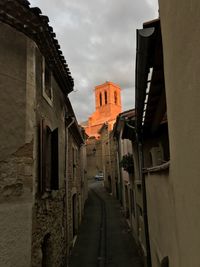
[{"x": 127, "y": 163}]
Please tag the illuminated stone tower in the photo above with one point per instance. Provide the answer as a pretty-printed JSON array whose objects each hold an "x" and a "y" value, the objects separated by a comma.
[{"x": 108, "y": 106}]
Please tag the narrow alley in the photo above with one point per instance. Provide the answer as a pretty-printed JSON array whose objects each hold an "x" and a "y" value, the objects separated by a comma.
[
  {"x": 104, "y": 238},
  {"x": 99, "y": 140}
]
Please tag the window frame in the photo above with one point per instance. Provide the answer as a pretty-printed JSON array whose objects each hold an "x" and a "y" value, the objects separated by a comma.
[
  {"x": 100, "y": 99},
  {"x": 47, "y": 72},
  {"x": 105, "y": 97},
  {"x": 115, "y": 97},
  {"x": 49, "y": 158}
]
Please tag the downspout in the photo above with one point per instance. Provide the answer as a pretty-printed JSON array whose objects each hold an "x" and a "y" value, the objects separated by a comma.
[
  {"x": 118, "y": 173},
  {"x": 120, "y": 170},
  {"x": 145, "y": 38},
  {"x": 145, "y": 215},
  {"x": 66, "y": 172},
  {"x": 66, "y": 143}
]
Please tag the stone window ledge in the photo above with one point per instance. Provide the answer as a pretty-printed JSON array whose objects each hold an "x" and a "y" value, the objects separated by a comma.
[{"x": 159, "y": 168}]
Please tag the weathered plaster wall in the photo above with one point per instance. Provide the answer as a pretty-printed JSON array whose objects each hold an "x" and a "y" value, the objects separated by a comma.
[
  {"x": 136, "y": 185},
  {"x": 13, "y": 90},
  {"x": 180, "y": 22},
  {"x": 160, "y": 206},
  {"x": 16, "y": 159}
]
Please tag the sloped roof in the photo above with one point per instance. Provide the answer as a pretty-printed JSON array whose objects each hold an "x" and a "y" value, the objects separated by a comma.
[
  {"x": 31, "y": 22},
  {"x": 150, "y": 100},
  {"x": 125, "y": 122}
]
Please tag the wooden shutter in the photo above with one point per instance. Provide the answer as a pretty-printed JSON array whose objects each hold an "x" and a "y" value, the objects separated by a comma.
[
  {"x": 42, "y": 161},
  {"x": 54, "y": 160}
]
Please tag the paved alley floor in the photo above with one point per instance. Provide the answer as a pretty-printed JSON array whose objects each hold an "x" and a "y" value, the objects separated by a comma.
[{"x": 104, "y": 238}]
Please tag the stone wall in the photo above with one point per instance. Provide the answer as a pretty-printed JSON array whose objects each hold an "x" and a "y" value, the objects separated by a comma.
[
  {"x": 15, "y": 207},
  {"x": 94, "y": 157},
  {"x": 106, "y": 111},
  {"x": 16, "y": 159},
  {"x": 32, "y": 221},
  {"x": 49, "y": 235},
  {"x": 49, "y": 220},
  {"x": 74, "y": 189},
  {"x": 181, "y": 70}
]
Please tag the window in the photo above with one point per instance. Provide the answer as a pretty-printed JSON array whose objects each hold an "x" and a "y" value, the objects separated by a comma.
[
  {"x": 159, "y": 151},
  {"x": 75, "y": 161},
  {"x": 47, "y": 251},
  {"x": 115, "y": 97},
  {"x": 74, "y": 214},
  {"x": 54, "y": 160},
  {"x": 106, "y": 100},
  {"x": 49, "y": 162},
  {"x": 156, "y": 155},
  {"x": 47, "y": 83},
  {"x": 132, "y": 197},
  {"x": 100, "y": 99}
]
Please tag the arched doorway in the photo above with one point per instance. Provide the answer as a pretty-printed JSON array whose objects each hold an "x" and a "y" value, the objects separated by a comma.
[
  {"x": 46, "y": 251},
  {"x": 109, "y": 184},
  {"x": 74, "y": 215}
]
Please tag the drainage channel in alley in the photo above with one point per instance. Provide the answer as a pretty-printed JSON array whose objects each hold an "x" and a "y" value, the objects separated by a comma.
[
  {"x": 102, "y": 246},
  {"x": 104, "y": 238}
]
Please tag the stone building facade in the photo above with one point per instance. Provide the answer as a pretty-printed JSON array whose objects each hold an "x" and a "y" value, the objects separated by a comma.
[
  {"x": 109, "y": 160},
  {"x": 130, "y": 186},
  {"x": 76, "y": 181},
  {"x": 167, "y": 127},
  {"x": 152, "y": 141},
  {"x": 94, "y": 156},
  {"x": 108, "y": 106},
  {"x": 35, "y": 203}
]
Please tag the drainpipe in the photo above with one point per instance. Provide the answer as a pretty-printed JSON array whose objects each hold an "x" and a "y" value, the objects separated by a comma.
[
  {"x": 66, "y": 143},
  {"x": 110, "y": 166},
  {"x": 120, "y": 172},
  {"x": 66, "y": 170},
  {"x": 145, "y": 215}
]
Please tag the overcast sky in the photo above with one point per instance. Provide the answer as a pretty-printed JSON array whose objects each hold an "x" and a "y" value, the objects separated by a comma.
[{"x": 98, "y": 40}]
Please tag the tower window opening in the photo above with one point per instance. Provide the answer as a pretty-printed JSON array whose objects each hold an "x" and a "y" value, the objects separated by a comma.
[
  {"x": 100, "y": 99},
  {"x": 106, "y": 100},
  {"x": 115, "y": 97}
]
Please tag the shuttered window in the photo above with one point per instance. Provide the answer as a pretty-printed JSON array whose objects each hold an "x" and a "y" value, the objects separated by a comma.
[{"x": 49, "y": 158}]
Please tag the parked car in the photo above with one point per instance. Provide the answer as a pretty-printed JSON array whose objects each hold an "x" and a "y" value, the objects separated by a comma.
[{"x": 99, "y": 176}]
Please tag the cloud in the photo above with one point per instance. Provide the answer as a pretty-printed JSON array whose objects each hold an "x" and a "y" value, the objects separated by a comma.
[{"x": 98, "y": 39}]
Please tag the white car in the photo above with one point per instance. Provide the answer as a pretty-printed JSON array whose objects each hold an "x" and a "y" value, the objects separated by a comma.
[{"x": 99, "y": 176}]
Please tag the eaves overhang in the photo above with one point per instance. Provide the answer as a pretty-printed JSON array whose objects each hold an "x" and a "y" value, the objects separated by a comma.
[
  {"x": 129, "y": 130},
  {"x": 75, "y": 130},
  {"x": 124, "y": 120},
  {"x": 30, "y": 21},
  {"x": 150, "y": 84},
  {"x": 145, "y": 40}
]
